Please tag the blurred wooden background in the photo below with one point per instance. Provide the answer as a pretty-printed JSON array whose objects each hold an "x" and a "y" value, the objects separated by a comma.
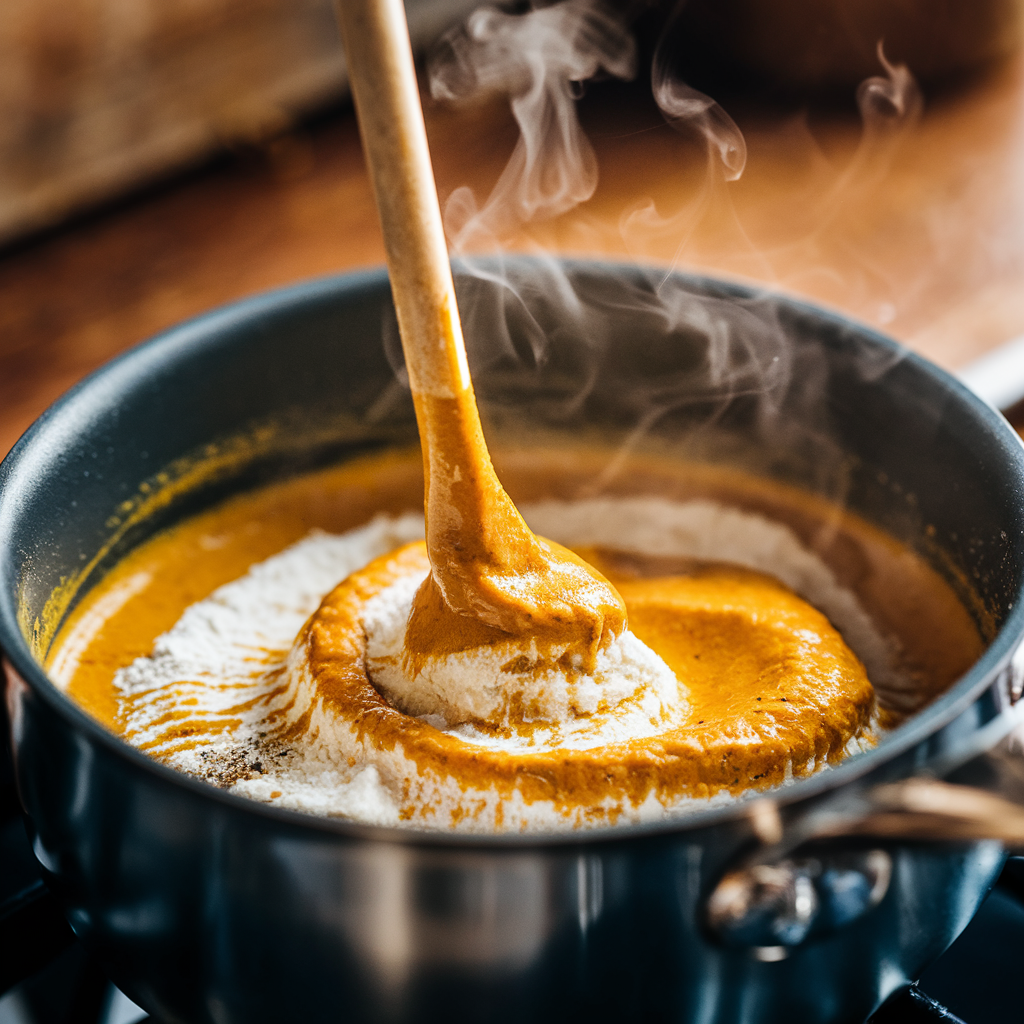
[
  {"x": 97, "y": 96},
  {"x": 922, "y": 236}
]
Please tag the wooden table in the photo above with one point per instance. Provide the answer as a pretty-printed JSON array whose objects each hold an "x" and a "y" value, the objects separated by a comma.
[{"x": 923, "y": 238}]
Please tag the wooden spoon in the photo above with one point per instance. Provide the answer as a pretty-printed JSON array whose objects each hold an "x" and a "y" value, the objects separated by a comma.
[{"x": 489, "y": 574}]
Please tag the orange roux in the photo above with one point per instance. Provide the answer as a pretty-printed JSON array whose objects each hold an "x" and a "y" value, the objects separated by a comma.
[
  {"x": 756, "y": 703},
  {"x": 760, "y": 700}
]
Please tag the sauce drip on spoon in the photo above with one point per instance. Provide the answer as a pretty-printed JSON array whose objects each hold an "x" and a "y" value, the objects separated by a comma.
[{"x": 490, "y": 576}]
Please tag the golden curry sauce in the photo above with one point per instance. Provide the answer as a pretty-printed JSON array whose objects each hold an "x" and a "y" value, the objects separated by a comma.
[
  {"x": 755, "y": 703},
  {"x": 761, "y": 702}
]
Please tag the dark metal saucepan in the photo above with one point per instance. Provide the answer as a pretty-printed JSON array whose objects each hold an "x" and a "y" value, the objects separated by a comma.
[{"x": 811, "y": 904}]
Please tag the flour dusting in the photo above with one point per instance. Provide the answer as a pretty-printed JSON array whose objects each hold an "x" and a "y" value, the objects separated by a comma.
[{"x": 204, "y": 700}]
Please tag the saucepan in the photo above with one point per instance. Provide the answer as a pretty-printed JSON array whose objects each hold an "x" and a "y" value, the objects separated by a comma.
[{"x": 811, "y": 903}]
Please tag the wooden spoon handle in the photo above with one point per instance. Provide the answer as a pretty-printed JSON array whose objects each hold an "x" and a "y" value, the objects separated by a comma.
[
  {"x": 486, "y": 566},
  {"x": 383, "y": 81}
]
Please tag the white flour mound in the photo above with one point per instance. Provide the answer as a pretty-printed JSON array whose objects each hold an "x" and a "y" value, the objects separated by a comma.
[
  {"x": 224, "y": 662},
  {"x": 630, "y": 694}
]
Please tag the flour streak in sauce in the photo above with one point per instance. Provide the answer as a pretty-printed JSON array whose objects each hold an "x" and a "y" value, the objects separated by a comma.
[{"x": 202, "y": 706}]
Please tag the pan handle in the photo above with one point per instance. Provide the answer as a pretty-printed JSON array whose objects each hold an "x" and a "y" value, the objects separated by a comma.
[
  {"x": 981, "y": 800},
  {"x": 821, "y": 871},
  {"x": 803, "y": 885},
  {"x": 780, "y": 896},
  {"x": 923, "y": 809}
]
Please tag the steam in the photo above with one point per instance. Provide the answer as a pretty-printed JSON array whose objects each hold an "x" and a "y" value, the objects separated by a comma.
[
  {"x": 888, "y": 104},
  {"x": 688, "y": 110},
  {"x": 540, "y": 60},
  {"x": 548, "y": 340},
  {"x": 818, "y": 224},
  {"x": 549, "y": 346}
]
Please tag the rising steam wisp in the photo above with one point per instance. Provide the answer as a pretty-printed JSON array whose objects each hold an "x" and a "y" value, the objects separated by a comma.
[{"x": 524, "y": 318}]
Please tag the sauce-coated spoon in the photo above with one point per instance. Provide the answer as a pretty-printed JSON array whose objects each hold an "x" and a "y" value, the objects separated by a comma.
[{"x": 490, "y": 575}]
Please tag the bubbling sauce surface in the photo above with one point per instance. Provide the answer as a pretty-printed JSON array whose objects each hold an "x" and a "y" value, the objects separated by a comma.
[{"x": 729, "y": 636}]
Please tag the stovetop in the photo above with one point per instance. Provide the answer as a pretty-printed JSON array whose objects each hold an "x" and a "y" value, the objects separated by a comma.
[{"x": 976, "y": 981}]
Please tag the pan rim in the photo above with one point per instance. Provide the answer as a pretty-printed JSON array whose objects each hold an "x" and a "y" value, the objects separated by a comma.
[{"x": 160, "y": 348}]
